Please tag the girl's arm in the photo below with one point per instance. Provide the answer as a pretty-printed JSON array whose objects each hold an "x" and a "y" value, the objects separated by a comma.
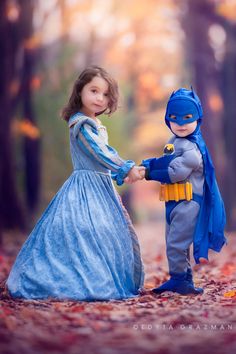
[{"x": 88, "y": 138}]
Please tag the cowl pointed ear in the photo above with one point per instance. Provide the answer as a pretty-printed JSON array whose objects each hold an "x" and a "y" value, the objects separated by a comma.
[
  {"x": 198, "y": 102},
  {"x": 193, "y": 93},
  {"x": 172, "y": 95}
]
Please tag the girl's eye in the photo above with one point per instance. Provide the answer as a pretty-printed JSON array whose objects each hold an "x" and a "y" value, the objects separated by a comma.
[
  {"x": 172, "y": 116},
  {"x": 94, "y": 91},
  {"x": 106, "y": 94},
  {"x": 188, "y": 116}
]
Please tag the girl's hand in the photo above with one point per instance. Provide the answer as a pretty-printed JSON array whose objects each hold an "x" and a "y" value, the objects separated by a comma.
[{"x": 135, "y": 174}]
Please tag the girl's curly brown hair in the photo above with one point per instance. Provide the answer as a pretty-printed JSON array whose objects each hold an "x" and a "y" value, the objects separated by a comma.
[{"x": 75, "y": 104}]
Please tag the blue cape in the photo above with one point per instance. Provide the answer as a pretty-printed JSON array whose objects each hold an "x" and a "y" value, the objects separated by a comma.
[{"x": 209, "y": 231}]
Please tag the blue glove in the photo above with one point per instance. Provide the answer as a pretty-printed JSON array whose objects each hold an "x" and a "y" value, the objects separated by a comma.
[{"x": 157, "y": 168}]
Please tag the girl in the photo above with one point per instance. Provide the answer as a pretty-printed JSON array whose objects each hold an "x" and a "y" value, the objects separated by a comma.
[{"x": 84, "y": 246}]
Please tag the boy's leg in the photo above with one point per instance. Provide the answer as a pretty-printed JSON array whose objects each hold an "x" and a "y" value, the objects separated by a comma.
[
  {"x": 179, "y": 237},
  {"x": 189, "y": 269}
]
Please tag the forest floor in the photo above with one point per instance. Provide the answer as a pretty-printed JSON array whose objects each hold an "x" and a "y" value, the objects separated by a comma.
[{"x": 153, "y": 324}]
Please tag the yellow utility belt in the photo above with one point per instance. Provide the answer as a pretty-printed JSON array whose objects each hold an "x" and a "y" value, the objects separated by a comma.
[{"x": 176, "y": 191}]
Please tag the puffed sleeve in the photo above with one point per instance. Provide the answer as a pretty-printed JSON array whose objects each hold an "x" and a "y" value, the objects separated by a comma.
[
  {"x": 86, "y": 133},
  {"x": 182, "y": 166},
  {"x": 175, "y": 167}
]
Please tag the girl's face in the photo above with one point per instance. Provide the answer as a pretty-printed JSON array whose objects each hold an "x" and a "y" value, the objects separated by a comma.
[
  {"x": 94, "y": 96},
  {"x": 183, "y": 130}
]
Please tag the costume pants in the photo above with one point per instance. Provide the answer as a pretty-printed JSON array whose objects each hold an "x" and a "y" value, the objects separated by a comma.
[{"x": 180, "y": 226}]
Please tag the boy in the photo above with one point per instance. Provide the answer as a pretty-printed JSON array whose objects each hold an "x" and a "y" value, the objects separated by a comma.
[{"x": 194, "y": 208}]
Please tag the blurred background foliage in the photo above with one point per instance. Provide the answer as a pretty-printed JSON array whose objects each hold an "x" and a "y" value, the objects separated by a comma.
[{"x": 152, "y": 48}]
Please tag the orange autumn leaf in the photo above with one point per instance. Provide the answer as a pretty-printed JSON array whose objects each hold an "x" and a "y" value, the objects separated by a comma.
[
  {"x": 231, "y": 293},
  {"x": 228, "y": 268},
  {"x": 227, "y": 9},
  {"x": 78, "y": 308},
  {"x": 26, "y": 128},
  {"x": 35, "y": 83},
  {"x": 12, "y": 11},
  {"x": 215, "y": 102},
  {"x": 33, "y": 42}
]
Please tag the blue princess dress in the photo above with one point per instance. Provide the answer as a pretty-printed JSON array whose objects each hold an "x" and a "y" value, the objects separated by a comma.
[{"x": 84, "y": 246}]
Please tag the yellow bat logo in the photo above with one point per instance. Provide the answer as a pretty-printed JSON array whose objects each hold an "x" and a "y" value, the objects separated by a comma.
[{"x": 169, "y": 149}]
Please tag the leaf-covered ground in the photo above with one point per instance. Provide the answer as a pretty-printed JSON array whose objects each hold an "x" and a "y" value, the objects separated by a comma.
[{"x": 167, "y": 323}]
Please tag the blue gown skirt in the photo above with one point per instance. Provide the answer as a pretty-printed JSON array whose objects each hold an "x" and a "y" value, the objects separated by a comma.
[{"x": 83, "y": 248}]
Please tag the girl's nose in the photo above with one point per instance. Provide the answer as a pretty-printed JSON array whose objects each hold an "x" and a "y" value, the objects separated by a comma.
[{"x": 100, "y": 97}]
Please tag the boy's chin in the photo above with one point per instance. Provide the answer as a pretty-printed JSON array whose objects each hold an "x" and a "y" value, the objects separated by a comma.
[{"x": 182, "y": 135}]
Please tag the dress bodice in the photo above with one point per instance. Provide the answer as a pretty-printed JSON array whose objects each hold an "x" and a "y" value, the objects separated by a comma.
[
  {"x": 90, "y": 149},
  {"x": 80, "y": 158}
]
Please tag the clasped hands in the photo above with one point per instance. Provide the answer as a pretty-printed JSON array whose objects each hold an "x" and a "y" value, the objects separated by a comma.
[{"x": 136, "y": 173}]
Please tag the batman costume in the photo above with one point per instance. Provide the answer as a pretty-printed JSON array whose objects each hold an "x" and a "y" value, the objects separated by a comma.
[{"x": 195, "y": 212}]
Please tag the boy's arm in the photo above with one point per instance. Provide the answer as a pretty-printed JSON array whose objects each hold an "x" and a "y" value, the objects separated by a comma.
[
  {"x": 182, "y": 166},
  {"x": 172, "y": 168},
  {"x": 157, "y": 168}
]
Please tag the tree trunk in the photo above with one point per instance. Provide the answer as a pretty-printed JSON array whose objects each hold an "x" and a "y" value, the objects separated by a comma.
[
  {"x": 228, "y": 92},
  {"x": 11, "y": 214},
  {"x": 205, "y": 77},
  {"x": 31, "y": 143},
  {"x": 17, "y": 61},
  {"x": 219, "y": 124}
]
